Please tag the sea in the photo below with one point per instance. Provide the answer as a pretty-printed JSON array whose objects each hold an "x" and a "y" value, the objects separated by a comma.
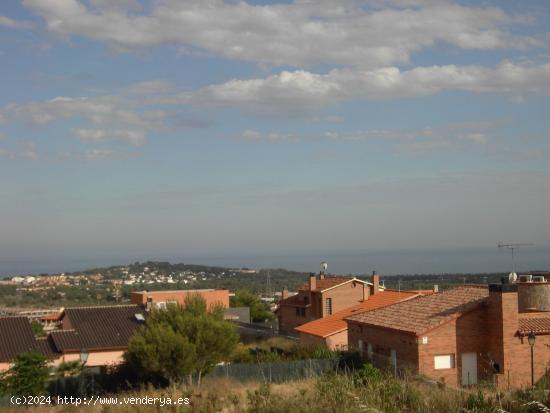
[{"x": 394, "y": 262}]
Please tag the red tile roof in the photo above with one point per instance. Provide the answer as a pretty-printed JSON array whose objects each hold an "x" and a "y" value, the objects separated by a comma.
[
  {"x": 335, "y": 323},
  {"x": 425, "y": 312},
  {"x": 536, "y": 325}
]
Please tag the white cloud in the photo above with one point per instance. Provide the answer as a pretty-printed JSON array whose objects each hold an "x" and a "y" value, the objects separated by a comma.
[
  {"x": 14, "y": 24},
  {"x": 25, "y": 151},
  {"x": 107, "y": 117},
  {"x": 95, "y": 155},
  {"x": 301, "y": 91},
  {"x": 364, "y": 34},
  {"x": 99, "y": 135},
  {"x": 253, "y": 135}
]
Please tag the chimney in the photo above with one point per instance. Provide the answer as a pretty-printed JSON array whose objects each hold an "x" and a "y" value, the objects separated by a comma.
[
  {"x": 502, "y": 314},
  {"x": 284, "y": 294},
  {"x": 375, "y": 282},
  {"x": 436, "y": 288},
  {"x": 312, "y": 282},
  {"x": 321, "y": 275}
]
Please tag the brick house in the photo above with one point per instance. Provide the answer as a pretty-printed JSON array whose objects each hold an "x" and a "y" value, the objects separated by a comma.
[
  {"x": 460, "y": 336},
  {"x": 160, "y": 298},
  {"x": 332, "y": 331},
  {"x": 320, "y": 297}
]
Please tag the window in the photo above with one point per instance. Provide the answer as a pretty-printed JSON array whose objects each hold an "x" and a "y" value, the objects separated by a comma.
[
  {"x": 328, "y": 306},
  {"x": 393, "y": 358},
  {"x": 369, "y": 351},
  {"x": 445, "y": 361},
  {"x": 300, "y": 312}
]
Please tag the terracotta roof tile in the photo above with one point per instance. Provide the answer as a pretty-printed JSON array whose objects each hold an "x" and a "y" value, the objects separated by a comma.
[
  {"x": 335, "y": 323},
  {"x": 536, "y": 325},
  {"x": 425, "y": 312}
]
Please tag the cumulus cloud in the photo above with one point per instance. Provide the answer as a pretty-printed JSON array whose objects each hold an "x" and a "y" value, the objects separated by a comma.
[
  {"x": 356, "y": 33},
  {"x": 15, "y": 24},
  {"x": 301, "y": 91},
  {"x": 110, "y": 117},
  {"x": 99, "y": 135}
]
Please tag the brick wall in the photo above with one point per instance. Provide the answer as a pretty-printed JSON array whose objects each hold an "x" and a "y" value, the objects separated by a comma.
[
  {"x": 344, "y": 296},
  {"x": 466, "y": 334},
  {"x": 211, "y": 297},
  {"x": 383, "y": 340}
]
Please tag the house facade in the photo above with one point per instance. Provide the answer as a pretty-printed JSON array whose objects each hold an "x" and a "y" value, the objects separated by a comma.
[
  {"x": 332, "y": 331},
  {"x": 322, "y": 296},
  {"x": 160, "y": 299},
  {"x": 460, "y": 336}
]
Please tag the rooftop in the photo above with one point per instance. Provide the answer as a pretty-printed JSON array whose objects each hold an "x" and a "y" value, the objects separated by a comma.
[
  {"x": 98, "y": 327},
  {"x": 423, "y": 313},
  {"x": 16, "y": 337},
  {"x": 540, "y": 325},
  {"x": 335, "y": 323}
]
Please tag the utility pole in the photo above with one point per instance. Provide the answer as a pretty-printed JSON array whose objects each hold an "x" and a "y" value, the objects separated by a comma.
[{"x": 512, "y": 247}]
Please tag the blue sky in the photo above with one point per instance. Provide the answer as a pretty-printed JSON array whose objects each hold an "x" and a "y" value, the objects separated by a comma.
[{"x": 132, "y": 129}]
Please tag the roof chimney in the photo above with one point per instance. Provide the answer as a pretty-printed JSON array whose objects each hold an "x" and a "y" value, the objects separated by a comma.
[
  {"x": 312, "y": 282},
  {"x": 436, "y": 288},
  {"x": 375, "y": 282}
]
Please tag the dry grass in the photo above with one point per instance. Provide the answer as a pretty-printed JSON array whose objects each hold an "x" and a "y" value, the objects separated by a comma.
[{"x": 332, "y": 393}]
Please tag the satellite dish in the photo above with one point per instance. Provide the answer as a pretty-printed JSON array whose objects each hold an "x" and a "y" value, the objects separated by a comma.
[{"x": 324, "y": 267}]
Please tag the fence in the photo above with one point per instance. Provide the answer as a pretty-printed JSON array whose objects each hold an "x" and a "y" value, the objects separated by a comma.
[{"x": 276, "y": 372}]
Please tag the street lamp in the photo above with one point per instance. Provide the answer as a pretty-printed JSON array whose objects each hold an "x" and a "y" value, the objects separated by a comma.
[
  {"x": 83, "y": 359},
  {"x": 84, "y": 355},
  {"x": 531, "y": 339}
]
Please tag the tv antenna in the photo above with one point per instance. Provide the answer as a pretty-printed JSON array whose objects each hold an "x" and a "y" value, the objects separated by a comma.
[
  {"x": 512, "y": 247},
  {"x": 324, "y": 267}
]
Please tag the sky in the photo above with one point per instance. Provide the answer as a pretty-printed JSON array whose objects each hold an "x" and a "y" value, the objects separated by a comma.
[{"x": 205, "y": 128}]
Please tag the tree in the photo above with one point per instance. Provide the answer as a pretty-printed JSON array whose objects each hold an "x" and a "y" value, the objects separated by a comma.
[
  {"x": 258, "y": 309},
  {"x": 180, "y": 341},
  {"x": 26, "y": 377},
  {"x": 37, "y": 328},
  {"x": 158, "y": 349}
]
